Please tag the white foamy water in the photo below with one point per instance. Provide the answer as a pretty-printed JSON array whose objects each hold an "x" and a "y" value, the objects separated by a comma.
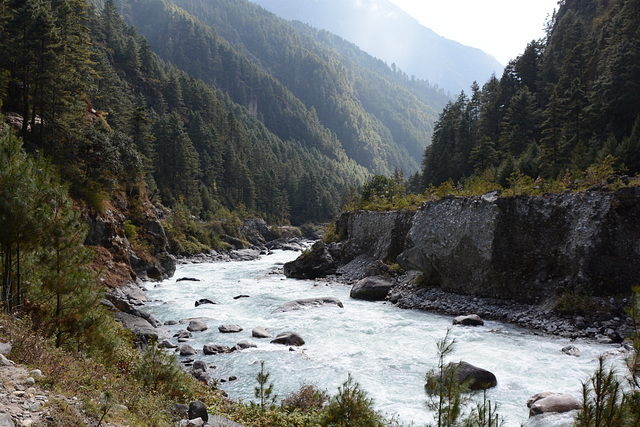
[{"x": 386, "y": 349}]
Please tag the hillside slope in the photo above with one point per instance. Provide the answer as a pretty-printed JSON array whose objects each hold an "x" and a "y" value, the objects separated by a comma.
[
  {"x": 252, "y": 55},
  {"x": 385, "y": 31}
]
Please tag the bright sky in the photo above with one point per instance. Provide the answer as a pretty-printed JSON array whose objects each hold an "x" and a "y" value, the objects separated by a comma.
[{"x": 501, "y": 28}]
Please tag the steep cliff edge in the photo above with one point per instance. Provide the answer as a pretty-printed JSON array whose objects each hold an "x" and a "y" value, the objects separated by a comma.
[{"x": 529, "y": 249}]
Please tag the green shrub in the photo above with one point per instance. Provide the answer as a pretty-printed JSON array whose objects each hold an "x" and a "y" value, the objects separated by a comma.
[
  {"x": 307, "y": 399},
  {"x": 351, "y": 407}
]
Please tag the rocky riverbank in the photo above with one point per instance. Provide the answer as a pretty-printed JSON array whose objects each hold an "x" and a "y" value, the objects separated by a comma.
[{"x": 562, "y": 264}]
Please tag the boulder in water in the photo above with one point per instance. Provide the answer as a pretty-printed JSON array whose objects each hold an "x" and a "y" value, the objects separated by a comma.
[
  {"x": 230, "y": 329},
  {"x": 288, "y": 338},
  {"x": 260, "y": 332},
  {"x": 469, "y": 320},
  {"x": 308, "y": 303},
  {"x": 549, "y": 402},
  {"x": 475, "y": 378},
  {"x": 197, "y": 326},
  {"x": 203, "y": 301},
  {"x": 215, "y": 349},
  {"x": 187, "y": 350}
]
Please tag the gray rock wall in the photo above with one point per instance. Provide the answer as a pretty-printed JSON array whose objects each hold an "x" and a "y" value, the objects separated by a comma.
[
  {"x": 524, "y": 248},
  {"x": 378, "y": 235}
]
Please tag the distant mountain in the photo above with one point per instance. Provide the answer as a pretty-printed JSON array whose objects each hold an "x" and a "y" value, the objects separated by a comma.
[
  {"x": 385, "y": 31},
  {"x": 299, "y": 87}
]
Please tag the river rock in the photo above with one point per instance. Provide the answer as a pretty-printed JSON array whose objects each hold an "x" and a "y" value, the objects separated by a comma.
[
  {"x": 187, "y": 350},
  {"x": 182, "y": 334},
  {"x": 308, "y": 303},
  {"x": 373, "y": 288},
  {"x": 548, "y": 402},
  {"x": 316, "y": 263},
  {"x": 288, "y": 338},
  {"x": 203, "y": 301},
  {"x": 260, "y": 332},
  {"x": 243, "y": 345},
  {"x": 230, "y": 329},
  {"x": 474, "y": 377},
  {"x": 469, "y": 320},
  {"x": 571, "y": 351},
  {"x": 477, "y": 378},
  {"x": 215, "y": 349},
  {"x": 197, "y": 326},
  {"x": 199, "y": 365},
  {"x": 198, "y": 409},
  {"x": 166, "y": 344}
]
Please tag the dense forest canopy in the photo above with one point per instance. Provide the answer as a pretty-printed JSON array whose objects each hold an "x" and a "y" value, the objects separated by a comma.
[
  {"x": 568, "y": 101},
  {"x": 273, "y": 120},
  {"x": 294, "y": 81}
]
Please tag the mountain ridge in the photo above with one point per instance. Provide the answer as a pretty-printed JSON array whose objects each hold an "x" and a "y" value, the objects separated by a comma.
[{"x": 417, "y": 49}]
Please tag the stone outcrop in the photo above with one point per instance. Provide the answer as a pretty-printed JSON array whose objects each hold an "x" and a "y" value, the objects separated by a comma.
[
  {"x": 317, "y": 263},
  {"x": 528, "y": 249}
]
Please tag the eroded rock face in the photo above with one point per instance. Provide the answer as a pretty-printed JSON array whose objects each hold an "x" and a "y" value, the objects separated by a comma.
[
  {"x": 525, "y": 248},
  {"x": 380, "y": 236}
]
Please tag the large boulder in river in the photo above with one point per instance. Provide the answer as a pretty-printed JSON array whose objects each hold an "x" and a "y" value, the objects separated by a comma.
[
  {"x": 229, "y": 329},
  {"x": 373, "y": 288},
  {"x": 215, "y": 349},
  {"x": 187, "y": 350},
  {"x": 549, "y": 402},
  {"x": 316, "y": 263},
  {"x": 288, "y": 338},
  {"x": 260, "y": 332},
  {"x": 203, "y": 301},
  {"x": 301, "y": 304},
  {"x": 469, "y": 320},
  {"x": 473, "y": 377},
  {"x": 197, "y": 326},
  {"x": 476, "y": 378}
]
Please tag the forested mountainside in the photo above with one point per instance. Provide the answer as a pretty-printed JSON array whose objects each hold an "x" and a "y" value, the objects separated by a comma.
[
  {"x": 570, "y": 100},
  {"x": 99, "y": 102},
  {"x": 385, "y": 31},
  {"x": 374, "y": 115}
]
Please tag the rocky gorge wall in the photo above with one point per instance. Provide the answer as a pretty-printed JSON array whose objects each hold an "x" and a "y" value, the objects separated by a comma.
[{"x": 525, "y": 248}]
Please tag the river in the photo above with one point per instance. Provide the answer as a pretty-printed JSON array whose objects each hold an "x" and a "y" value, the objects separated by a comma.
[{"x": 386, "y": 349}]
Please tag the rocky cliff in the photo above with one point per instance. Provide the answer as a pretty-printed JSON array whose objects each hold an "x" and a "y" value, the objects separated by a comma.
[{"x": 529, "y": 249}]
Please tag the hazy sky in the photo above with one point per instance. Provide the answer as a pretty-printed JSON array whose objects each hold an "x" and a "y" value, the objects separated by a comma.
[{"x": 501, "y": 28}]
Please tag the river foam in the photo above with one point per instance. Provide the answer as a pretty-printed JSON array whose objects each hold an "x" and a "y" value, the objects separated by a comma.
[{"x": 386, "y": 349}]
